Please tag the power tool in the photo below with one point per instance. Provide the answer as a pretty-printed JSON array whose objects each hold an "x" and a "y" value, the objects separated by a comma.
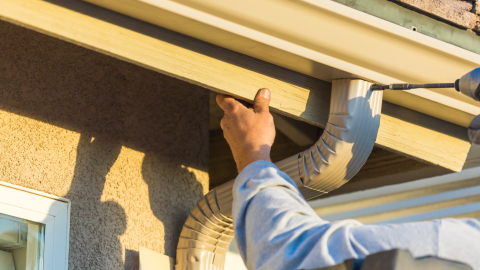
[{"x": 468, "y": 84}]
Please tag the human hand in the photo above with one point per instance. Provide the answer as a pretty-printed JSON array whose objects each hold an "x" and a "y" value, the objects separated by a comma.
[{"x": 249, "y": 131}]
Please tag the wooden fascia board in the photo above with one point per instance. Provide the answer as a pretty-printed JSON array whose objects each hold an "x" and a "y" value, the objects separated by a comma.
[
  {"x": 296, "y": 95},
  {"x": 325, "y": 40}
]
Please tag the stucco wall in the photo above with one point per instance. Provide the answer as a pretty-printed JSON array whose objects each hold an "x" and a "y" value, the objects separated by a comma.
[{"x": 128, "y": 146}]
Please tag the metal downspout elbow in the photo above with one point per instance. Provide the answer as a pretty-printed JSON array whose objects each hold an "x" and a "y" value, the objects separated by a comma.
[
  {"x": 207, "y": 232},
  {"x": 348, "y": 139},
  {"x": 337, "y": 156}
]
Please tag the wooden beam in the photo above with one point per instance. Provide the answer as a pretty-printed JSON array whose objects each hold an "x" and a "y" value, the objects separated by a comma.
[
  {"x": 261, "y": 31},
  {"x": 295, "y": 95}
]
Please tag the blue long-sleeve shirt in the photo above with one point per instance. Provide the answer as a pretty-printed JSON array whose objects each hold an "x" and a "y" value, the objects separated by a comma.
[{"x": 275, "y": 228}]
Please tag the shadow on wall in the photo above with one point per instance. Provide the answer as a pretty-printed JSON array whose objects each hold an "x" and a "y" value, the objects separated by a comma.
[
  {"x": 111, "y": 104},
  {"x": 95, "y": 224}
]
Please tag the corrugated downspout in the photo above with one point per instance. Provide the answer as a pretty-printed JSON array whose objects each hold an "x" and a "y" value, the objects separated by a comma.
[
  {"x": 337, "y": 156},
  {"x": 348, "y": 138},
  {"x": 208, "y": 231}
]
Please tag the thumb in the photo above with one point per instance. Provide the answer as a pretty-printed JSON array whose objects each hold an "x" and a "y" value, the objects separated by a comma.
[{"x": 262, "y": 100}]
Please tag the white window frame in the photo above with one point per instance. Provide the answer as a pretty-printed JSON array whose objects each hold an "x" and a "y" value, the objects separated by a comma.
[{"x": 43, "y": 208}]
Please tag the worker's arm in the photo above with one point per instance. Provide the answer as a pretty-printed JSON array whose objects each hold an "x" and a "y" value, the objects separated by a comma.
[{"x": 276, "y": 229}]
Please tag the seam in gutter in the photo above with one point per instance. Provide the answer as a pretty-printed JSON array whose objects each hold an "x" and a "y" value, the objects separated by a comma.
[{"x": 208, "y": 230}]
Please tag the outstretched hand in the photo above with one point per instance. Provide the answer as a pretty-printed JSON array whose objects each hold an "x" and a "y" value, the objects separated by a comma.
[{"x": 249, "y": 131}]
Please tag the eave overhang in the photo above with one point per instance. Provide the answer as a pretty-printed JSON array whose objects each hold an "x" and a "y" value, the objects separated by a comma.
[
  {"x": 323, "y": 39},
  {"x": 302, "y": 97}
]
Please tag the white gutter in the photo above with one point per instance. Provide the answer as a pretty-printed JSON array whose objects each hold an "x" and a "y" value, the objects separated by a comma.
[
  {"x": 424, "y": 199},
  {"x": 323, "y": 39}
]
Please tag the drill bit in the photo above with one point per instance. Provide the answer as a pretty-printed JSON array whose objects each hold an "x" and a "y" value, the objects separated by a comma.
[{"x": 408, "y": 86}]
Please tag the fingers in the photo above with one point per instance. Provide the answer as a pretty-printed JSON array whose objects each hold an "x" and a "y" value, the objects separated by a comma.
[
  {"x": 223, "y": 124},
  {"x": 262, "y": 101},
  {"x": 227, "y": 103}
]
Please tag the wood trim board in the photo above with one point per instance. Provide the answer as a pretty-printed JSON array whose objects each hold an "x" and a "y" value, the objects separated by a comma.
[
  {"x": 295, "y": 95},
  {"x": 152, "y": 260},
  {"x": 325, "y": 40}
]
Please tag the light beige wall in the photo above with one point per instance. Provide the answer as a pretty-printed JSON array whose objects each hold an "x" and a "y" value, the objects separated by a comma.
[{"x": 128, "y": 146}]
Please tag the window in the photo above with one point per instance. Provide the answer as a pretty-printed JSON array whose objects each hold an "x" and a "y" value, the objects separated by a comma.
[
  {"x": 21, "y": 243},
  {"x": 34, "y": 229}
]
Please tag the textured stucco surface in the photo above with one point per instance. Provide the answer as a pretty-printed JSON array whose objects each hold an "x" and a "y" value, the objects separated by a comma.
[
  {"x": 461, "y": 13},
  {"x": 128, "y": 146}
]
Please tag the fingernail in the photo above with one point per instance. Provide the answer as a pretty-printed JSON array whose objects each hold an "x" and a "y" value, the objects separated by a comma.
[{"x": 265, "y": 93}]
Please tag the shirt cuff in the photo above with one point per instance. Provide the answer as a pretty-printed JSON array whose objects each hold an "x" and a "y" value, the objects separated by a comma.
[
  {"x": 255, "y": 167},
  {"x": 262, "y": 174}
]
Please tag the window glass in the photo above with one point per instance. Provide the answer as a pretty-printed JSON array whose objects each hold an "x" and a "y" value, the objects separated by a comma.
[{"x": 21, "y": 244}]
